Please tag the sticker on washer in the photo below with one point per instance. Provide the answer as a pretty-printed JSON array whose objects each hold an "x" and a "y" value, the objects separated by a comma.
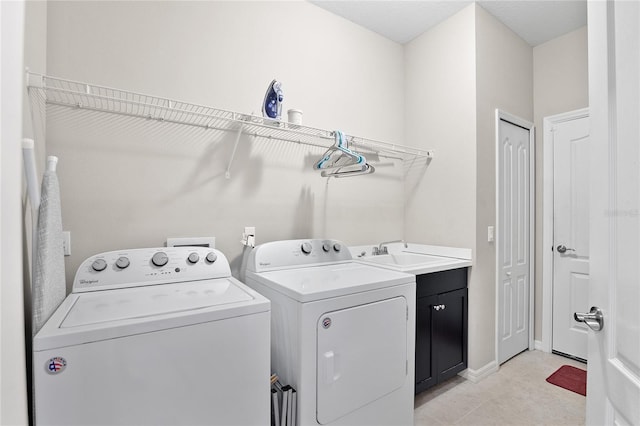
[
  {"x": 326, "y": 322},
  {"x": 56, "y": 365}
]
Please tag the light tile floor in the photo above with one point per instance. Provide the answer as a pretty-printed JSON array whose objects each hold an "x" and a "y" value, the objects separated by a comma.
[{"x": 517, "y": 394}]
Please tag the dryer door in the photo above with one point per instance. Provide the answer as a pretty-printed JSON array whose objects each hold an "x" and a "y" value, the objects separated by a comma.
[{"x": 361, "y": 356}]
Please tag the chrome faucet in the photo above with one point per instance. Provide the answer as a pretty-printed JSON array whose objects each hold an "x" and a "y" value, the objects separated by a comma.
[{"x": 382, "y": 248}]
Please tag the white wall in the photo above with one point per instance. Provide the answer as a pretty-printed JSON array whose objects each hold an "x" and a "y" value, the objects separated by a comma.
[
  {"x": 560, "y": 74},
  {"x": 456, "y": 75},
  {"x": 440, "y": 99},
  {"x": 440, "y": 114},
  {"x": 504, "y": 65},
  {"x": 13, "y": 387},
  {"x": 128, "y": 183}
]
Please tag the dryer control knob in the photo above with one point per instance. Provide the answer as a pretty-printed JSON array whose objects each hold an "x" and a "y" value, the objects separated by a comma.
[
  {"x": 326, "y": 247},
  {"x": 337, "y": 247},
  {"x": 99, "y": 265},
  {"x": 160, "y": 259},
  {"x": 193, "y": 258},
  {"x": 122, "y": 262},
  {"x": 306, "y": 248},
  {"x": 211, "y": 257}
]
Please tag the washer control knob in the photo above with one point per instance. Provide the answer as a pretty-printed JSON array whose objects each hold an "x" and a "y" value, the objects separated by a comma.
[
  {"x": 337, "y": 247},
  {"x": 211, "y": 257},
  {"x": 306, "y": 247},
  {"x": 326, "y": 247},
  {"x": 122, "y": 262},
  {"x": 193, "y": 258},
  {"x": 160, "y": 259},
  {"x": 99, "y": 265}
]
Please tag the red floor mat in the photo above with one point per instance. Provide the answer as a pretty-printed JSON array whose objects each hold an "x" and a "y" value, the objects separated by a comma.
[{"x": 571, "y": 378}]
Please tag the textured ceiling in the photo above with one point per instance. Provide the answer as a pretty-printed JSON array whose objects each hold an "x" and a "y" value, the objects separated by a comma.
[{"x": 536, "y": 21}]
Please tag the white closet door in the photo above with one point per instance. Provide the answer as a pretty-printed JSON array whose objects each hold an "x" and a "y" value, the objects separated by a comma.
[
  {"x": 361, "y": 356},
  {"x": 514, "y": 237}
]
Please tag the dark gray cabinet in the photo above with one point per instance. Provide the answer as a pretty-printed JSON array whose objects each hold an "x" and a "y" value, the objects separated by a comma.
[{"x": 441, "y": 326}]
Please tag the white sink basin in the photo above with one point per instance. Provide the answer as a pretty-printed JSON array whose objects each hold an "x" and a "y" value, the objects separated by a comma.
[
  {"x": 414, "y": 263},
  {"x": 404, "y": 259}
]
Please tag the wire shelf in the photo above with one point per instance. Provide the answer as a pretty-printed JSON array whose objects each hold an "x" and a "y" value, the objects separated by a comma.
[{"x": 74, "y": 94}]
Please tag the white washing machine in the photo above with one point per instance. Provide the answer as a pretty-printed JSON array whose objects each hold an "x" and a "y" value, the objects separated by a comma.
[
  {"x": 155, "y": 337},
  {"x": 342, "y": 333}
]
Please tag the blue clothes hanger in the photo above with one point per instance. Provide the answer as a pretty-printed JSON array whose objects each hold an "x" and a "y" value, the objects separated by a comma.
[{"x": 339, "y": 155}]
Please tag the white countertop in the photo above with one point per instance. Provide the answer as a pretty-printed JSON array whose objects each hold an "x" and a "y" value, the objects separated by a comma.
[{"x": 410, "y": 259}]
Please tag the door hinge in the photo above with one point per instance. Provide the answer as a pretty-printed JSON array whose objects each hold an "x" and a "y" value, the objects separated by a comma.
[{"x": 407, "y": 311}]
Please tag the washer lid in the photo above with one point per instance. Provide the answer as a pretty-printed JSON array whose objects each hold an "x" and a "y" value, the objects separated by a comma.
[
  {"x": 140, "y": 302},
  {"x": 320, "y": 282}
]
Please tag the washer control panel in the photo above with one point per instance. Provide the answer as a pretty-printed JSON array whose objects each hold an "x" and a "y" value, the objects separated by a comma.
[
  {"x": 149, "y": 266},
  {"x": 296, "y": 253}
]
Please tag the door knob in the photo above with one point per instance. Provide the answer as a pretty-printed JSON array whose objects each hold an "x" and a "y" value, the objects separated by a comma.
[
  {"x": 563, "y": 249},
  {"x": 594, "y": 319}
]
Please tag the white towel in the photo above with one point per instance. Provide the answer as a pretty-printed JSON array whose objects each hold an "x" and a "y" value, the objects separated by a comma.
[{"x": 49, "y": 288}]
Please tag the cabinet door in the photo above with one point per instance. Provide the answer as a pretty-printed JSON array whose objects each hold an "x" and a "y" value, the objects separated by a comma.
[
  {"x": 449, "y": 337},
  {"x": 425, "y": 376}
]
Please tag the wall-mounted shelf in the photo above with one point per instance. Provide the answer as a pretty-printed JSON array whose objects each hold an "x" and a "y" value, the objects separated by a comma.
[{"x": 74, "y": 94}]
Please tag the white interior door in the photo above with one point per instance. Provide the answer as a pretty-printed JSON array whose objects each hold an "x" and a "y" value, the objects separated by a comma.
[
  {"x": 613, "y": 372},
  {"x": 571, "y": 234},
  {"x": 515, "y": 227}
]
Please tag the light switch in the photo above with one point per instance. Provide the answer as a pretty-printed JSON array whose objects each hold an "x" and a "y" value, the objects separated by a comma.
[
  {"x": 490, "y": 234},
  {"x": 66, "y": 243}
]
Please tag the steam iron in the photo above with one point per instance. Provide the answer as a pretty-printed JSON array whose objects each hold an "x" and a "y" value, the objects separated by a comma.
[{"x": 272, "y": 105}]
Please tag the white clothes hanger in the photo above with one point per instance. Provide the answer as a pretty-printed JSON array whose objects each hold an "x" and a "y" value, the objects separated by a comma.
[{"x": 349, "y": 172}]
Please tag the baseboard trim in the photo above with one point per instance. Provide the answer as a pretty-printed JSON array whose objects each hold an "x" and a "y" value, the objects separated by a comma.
[
  {"x": 537, "y": 345},
  {"x": 476, "y": 375}
]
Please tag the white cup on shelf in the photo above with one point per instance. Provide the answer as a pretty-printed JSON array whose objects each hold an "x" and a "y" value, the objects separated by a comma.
[{"x": 295, "y": 117}]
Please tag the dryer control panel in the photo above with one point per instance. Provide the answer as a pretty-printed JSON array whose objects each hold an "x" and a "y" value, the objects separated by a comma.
[
  {"x": 297, "y": 253},
  {"x": 149, "y": 266}
]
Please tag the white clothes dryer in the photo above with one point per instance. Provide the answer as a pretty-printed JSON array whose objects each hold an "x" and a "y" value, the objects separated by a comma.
[
  {"x": 342, "y": 333},
  {"x": 155, "y": 337}
]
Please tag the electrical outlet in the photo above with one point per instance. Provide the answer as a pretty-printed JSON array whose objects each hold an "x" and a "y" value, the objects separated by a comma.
[
  {"x": 249, "y": 236},
  {"x": 66, "y": 243}
]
